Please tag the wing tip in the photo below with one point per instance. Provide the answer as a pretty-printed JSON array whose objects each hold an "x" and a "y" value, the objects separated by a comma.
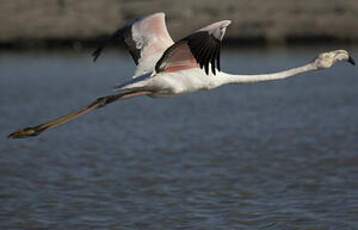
[
  {"x": 154, "y": 15},
  {"x": 95, "y": 54},
  {"x": 160, "y": 14},
  {"x": 226, "y": 22}
]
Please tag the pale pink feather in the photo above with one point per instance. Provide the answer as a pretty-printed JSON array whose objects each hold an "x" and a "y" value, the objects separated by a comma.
[
  {"x": 180, "y": 56},
  {"x": 152, "y": 38}
]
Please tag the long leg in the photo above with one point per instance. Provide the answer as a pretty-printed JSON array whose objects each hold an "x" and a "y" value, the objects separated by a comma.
[{"x": 98, "y": 103}]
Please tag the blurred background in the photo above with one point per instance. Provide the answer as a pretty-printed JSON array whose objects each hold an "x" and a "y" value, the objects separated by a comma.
[
  {"x": 275, "y": 155},
  {"x": 55, "y": 22}
]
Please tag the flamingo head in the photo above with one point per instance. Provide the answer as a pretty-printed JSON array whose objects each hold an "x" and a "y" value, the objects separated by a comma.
[{"x": 328, "y": 59}]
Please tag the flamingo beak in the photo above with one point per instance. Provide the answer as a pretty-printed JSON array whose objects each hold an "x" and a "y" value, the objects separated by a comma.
[{"x": 351, "y": 60}]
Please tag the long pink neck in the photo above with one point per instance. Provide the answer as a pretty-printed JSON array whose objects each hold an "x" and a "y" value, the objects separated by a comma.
[{"x": 226, "y": 78}]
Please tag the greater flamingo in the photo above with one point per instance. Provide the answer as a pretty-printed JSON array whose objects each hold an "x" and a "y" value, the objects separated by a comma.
[{"x": 165, "y": 68}]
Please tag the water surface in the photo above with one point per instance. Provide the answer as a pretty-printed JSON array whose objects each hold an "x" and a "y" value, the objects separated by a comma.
[{"x": 278, "y": 155}]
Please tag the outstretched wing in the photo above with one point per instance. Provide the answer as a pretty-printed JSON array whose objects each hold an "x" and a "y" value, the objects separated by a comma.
[
  {"x": 145, "y": 38},
  {"x": 200, "y": 49}
]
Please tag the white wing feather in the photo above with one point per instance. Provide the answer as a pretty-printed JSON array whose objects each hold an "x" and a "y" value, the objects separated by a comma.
[{"x": 146, "y": 39}]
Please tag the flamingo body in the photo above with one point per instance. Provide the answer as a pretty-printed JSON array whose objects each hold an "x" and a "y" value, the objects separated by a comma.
[{"x": 166, "y": 68}]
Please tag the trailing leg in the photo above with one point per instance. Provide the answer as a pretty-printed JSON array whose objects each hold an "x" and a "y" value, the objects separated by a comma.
[{"x": 98, "y": 103}]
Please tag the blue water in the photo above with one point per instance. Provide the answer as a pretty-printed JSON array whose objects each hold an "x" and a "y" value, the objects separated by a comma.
[{"x": 277, "y": 155}]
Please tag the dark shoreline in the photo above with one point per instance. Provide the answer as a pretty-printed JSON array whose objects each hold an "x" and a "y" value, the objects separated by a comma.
[{"x": 76, "y": 44}]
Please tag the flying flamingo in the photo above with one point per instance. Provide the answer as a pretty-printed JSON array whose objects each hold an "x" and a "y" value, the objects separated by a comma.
[{"x": 166, "y": 68}]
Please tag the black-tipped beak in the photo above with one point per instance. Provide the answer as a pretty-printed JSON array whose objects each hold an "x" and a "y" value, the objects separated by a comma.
[{"x": 351, "y": 60}]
